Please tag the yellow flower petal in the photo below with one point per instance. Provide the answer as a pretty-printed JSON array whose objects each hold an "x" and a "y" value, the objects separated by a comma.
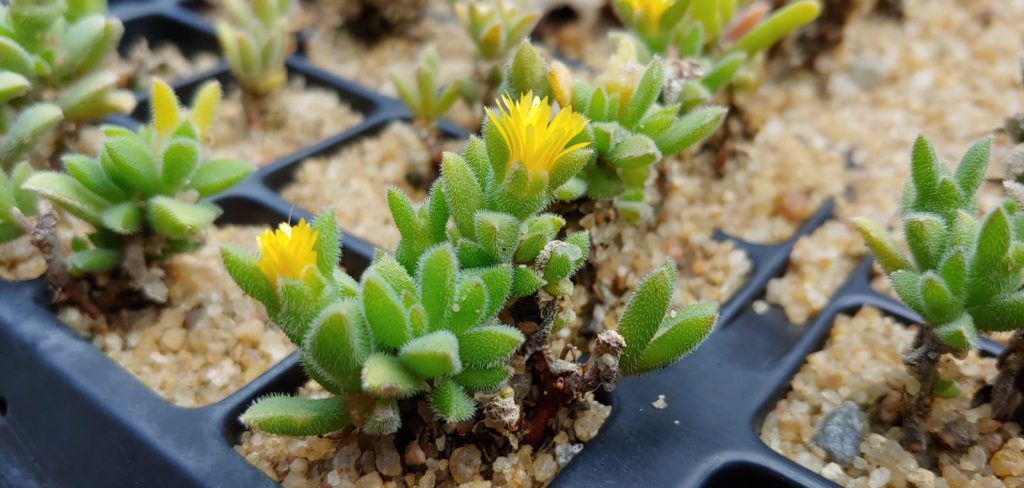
[
  {"x": 650, "y": 10},
  {"x": 204, "y": 106},
  {"x": 288, "y": 251},
  {"x": 561, "y": 84},
  {"x": 533, "y": 137},
  {"x": 166, "y": 113}
]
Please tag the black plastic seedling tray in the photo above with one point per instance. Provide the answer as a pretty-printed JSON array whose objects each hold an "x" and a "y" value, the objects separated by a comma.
[{"x": 69, "y": 416}]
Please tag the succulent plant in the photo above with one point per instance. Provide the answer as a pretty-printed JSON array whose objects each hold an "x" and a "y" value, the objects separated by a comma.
[
  {"x": 962, "y": 275},
  {"x": 58, "y": 46},
  {"x": 390, "y": 336},
  {"x": 629, "y": 129},
  {"x": 255, "y": 38},
  {"x": 146, "y": 184},
  {"x": 495, "y": 195},
  {"x": 718, "y": 36},
  {"x": 427, "y": 101},
  {"x": 657, "y": 336},
  {"x": 496, "y": 28}
]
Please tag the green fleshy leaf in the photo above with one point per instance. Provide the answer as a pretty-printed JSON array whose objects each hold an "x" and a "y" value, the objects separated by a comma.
[
  {"x": 1005, "y": 313},
  {"x": 647, "y": 92},
  {"x": 394, "y": 274},
  {"x": 678, "y": 336},
  {"x": 497, "y": 282},
  {"x": 131, "y": 164},
  {"x": 907, "y": 285},
  {"x": 953, "y": 271},
  {"x": 338, "y": 343},
  {"x": 926, "y": 238},
  {"x": 924, "y": 168},
  {"x": 180, "y": 159},
  {"x": 489, "y": 345},
  {"x": 971, "y": 171},
  {"x": 525, "y": 281},
  {"x": 90, "y": 174},
  {"x": 694, "y": 127},
  {"x": 386, "y": 376},
  {"x": 217, "y": 176},
  {"x": 536, "y": 232},
  {"x": 451, "y": 402},
  {"x": 886, "y": 252},
  {"x": 12, "y": 85},
  {"x": 723, "y": 71},
  {"x": 433, "y": 355},
  {"x": 940, "y": 306},
  {"x": 498, "y": 233},
  {"x": 644, "y": 312},
  {"x": 245, "y": 271},
  {"x": 469, "y": 306},
  {"x": 124, "y": 218},
  {"x": 180, "y": 220},
  {"x": 958, "y": 334},
  {"x": 26, "y": 130},
  {"x": 478, "y": 161},
  {"x": 93, "y": 261},
  {"x": 991, "y": 250},
  {"x": 291, "y": 416},
  {"x": 485, "y": 379},
  {"x": 16, "y": 58},
  {"x": 384, "y": 311},
  {"x": 438, "y": 270},
  {"x": 463, "y": 193},
  {"x": 298, "y": 309},
  {"x": 635, "y": 151},
  {"x": 527, "y": 72},
  {"x": 328, "y": 243},
  {"x": 777, "y": 26},
  {"x": 69, "y": 194}
]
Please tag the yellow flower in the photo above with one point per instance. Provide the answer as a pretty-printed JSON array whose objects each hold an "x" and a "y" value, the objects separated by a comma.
[
  {"x": 532, "y": 136},
  {"x": 650, "y": 10},
  {"x": 288, "y": 251}
]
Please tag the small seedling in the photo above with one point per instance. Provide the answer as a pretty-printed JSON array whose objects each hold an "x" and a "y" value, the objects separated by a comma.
[
  {"x": 718, "y": 36},
  {"x": 629, "y": 129},
  {"x": 59, "y": 47},
  {"x": 256, "y": 39},
  {"x": 963, "y": 274},
  {"x": 496, "y": 28},
  {"x": 657, "y": 336},
  {"x": 427, "y": 101},
  {"x": 144, "y": 193}
]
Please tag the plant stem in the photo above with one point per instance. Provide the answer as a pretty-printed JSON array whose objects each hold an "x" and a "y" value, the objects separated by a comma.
[
  {"x": 43, "y": 233},
  {"x": 922, "y": 362},
  {"x": 1005, "y": 395}
]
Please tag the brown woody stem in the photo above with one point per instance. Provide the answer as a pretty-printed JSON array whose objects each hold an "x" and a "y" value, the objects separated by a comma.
[
  {"x": 922, "y": 361},
  {"x": 1005, "y": 396}
]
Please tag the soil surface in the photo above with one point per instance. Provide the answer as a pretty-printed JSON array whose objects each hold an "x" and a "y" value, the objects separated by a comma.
[
  {"x": 206, "y": 342},
  {"x": 862, "y": 363}
]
